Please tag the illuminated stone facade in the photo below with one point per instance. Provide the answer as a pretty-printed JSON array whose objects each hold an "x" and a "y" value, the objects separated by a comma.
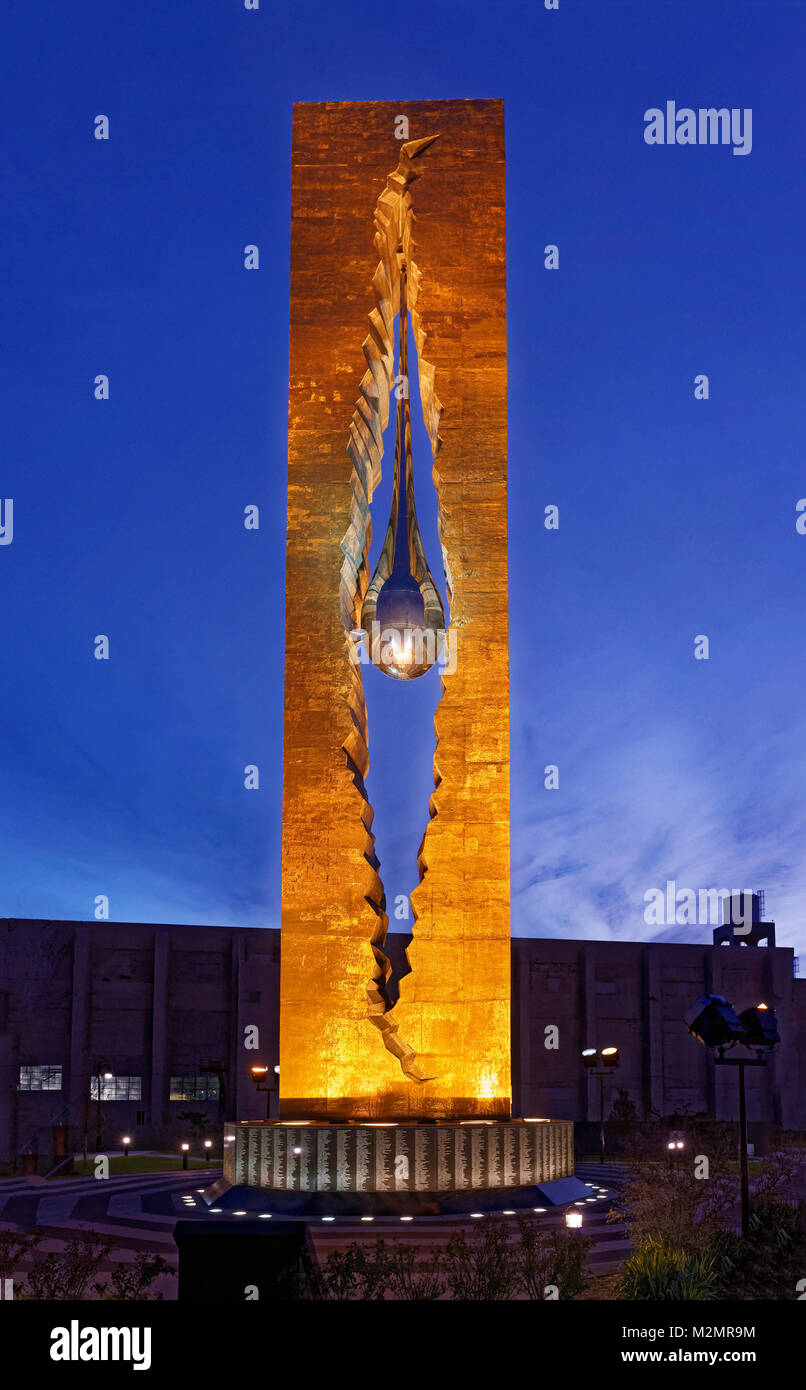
[{"x": 343, "y": 1052}]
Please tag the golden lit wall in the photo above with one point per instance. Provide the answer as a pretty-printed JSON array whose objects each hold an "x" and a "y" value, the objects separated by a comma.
[{"x": 355, "y": 187}]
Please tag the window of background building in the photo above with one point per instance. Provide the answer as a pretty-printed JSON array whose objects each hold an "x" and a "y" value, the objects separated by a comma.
[
  {"x": 195, "y": 1088},
  {"x": 40, "y": 1078},
  {"x": 117, "y": 1088}
]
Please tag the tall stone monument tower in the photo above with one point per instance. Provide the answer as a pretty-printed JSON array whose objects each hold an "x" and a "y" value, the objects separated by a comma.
[
  {"x": 397, "y": 210},
  {"x": 366, "y": 180}
]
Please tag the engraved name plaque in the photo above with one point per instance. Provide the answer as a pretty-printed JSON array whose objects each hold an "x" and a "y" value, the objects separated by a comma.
[{"x": 442, "y": 1157}]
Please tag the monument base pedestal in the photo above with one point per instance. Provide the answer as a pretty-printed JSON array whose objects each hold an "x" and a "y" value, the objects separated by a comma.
[
  {"x": 315, "y": 1206},
  {"x": 312, "y": 1168}
]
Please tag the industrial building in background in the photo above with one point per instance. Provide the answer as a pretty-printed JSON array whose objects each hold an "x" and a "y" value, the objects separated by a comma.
[{"x": 112, "y": 1029}]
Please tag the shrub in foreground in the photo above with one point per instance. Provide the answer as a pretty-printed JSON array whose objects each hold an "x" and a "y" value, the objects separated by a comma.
[{"x": 659, "y": 1270}]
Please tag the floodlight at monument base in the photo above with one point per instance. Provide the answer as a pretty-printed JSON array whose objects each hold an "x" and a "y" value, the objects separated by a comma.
[
  {"x": 714, "y": 1021},
  {"x": 761, "y": 1026}
]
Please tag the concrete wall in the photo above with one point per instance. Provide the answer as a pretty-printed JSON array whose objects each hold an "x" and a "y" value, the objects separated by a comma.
[
  {"x": 147, "y": 1001},
  {"x": 633, "y": 996},
  {"x": 154, "y": 1001}
]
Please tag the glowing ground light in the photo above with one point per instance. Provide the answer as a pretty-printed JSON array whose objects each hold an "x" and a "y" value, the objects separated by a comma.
[
  {"x": 265, "y": 1216},
  {"x": 407, "y": 1218},
  {"x": 215, "y": 1211},
  {"x": 476, "y": 1215},
  {"x": 573, "y": 1219},
  {"x": 367, "y": 1218},
  {"x": 507, "y": 1213},
  {"x": 328, "y": 1218},
  {"x": 540, "y": 1208},
  {"x": 239, "y": 1213}
]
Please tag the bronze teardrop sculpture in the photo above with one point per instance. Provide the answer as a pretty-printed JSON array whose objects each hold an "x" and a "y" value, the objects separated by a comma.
[{"x": 402, "y": 613}]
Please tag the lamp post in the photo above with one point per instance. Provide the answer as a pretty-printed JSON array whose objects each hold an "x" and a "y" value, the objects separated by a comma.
[
  {"x": 260, "y": 1074},
  {"x": 609, "y": 1058},
  {"x": 126, "y": 1142},
  {"x": 101, "y": 1074},
  {"x": 715, "y": 1023},
  {"x": 744, "y": 1168},
  {"x": 185, "y": 1149},
  {"x": 208, "y": 1144},
  {"x": 675, "y": 1147}
]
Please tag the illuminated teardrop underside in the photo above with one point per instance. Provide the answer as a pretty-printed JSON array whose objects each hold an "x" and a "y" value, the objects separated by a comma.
[{"x": 402, "y": 613}]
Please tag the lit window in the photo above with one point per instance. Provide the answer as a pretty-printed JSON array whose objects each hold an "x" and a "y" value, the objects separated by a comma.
[
  {"x": 195, "y": 1088},
  {"x": 40, "y": 1078},
  {"x": 117, "y": 1088}
]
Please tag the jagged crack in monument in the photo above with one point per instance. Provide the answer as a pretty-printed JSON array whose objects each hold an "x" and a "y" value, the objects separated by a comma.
[{"x": 396, "y": 208}]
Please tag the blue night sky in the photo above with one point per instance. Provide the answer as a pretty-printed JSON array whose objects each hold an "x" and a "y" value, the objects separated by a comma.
[{"x": 677, "y": 516}]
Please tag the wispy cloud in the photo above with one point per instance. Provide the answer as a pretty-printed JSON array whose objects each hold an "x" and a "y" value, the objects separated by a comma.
[{"x": 643, "y": 804}]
